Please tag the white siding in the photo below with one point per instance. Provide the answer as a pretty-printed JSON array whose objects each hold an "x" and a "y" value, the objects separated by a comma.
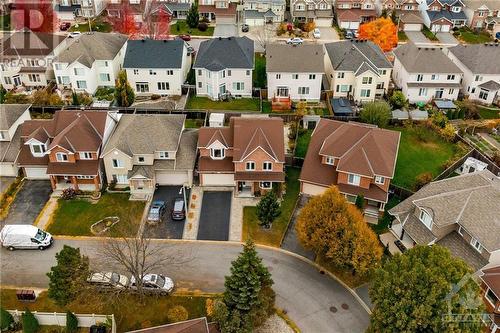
[
  {"x": 287, "y": 80},
  {"x": 208, "y": 82}
]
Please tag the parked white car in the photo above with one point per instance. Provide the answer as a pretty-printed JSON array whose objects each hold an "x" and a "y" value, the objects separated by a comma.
[
  {"x": 295, "y": 41},
  {"x": 108, "y": 280},
  {"x": 155, "y": 283},
  {"x": 24, "y": 236},
  {"x": 75, "y": 34},
  {"x": 316, "y": 33}
]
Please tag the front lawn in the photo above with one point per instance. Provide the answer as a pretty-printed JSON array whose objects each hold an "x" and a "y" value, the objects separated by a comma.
[
  {"x": 259, "y": 72},
  {"x": 402, "y": 36},
  {"x": 130, "y": 313},
  {"x": 302, "y": 143},
  {"x": 416, "y": 156},
  {"x": 429, "y": 34},
  {"x": 240, "y": 104},
  {"x": 273, "y": 236},
  {"x": 181, "y": 28},
  {"x": 74, "y": 217},
  {"x": 471, "y": 37},
  {"x": 97, "y": 25},
  {"x": 489, "y": 113}
]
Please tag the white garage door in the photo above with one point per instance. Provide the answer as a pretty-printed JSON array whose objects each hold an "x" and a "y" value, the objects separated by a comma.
[
  {"x": 171, "y": 178},
  {"x": 218, "y": 179},
  {"x": 413, "y": 27},
  {"x": 36, "y": 173},
  {"x": 323, "y": 22},
  {"x": 440, "y": 28},
  {"x": 254, "y": 22},
  {"x": 312, "y": 189},
  {"x": 225, "y": 19},
  {"x": 349, "y": 25}
]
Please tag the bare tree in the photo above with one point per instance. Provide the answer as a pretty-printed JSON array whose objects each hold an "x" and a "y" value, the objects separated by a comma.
[{"x": 264, "y": 36}]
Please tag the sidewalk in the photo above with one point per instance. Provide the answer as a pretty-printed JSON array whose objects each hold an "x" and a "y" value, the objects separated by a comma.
[
  {"x": 236, "y": 222},
  {"x": 43, "y": 219},
  {"x": 193, "y": 216}
]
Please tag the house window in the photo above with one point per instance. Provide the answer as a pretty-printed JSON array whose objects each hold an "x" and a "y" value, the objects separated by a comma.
[
  {"x": 300, "y": 7},
  {"x": 223, "y": 74},
  {"x": 136, "y": 72},
  {"x": 248, "y": 72},
  {"x": 475, "y": 244},
  {"x": 8, "y": 80},
  {"x": 140, "y": 159},
  {"x": 266, "y": 185},
  {"x": 217, "y": 153},
  {"x": 104, "y": 77},
  {"x": 58, "y": 67},
  {"x": 312, "y": 76},
  {"x": 350, "y": 198},
  {"x": 120, "y": 179},
  {"x": 365, "y": 92},
  {"x": 105, "y": 64},
  {"x": 460, "y": 231},
  {"x": 267, "y": 166},
  {"x": 340, "y": 75},
  {"x": 3, "y": 136},
  {"x": 420, "y": 77},
  {"x": 478, "y": 78},
  {"x": 142, "y": 87},
  {"x": 303, "y": 90},
  {"x": 455, "y": 9},
  {"x": 353, "y": 179},
  {"x": 170, "y": 72},
  {"x": 490, "y": 296},
  {"x": 34, "y": 77},
  {"x": 199, "y": 72},
  {"x": 238, "y": 86},
  {"x": 85, "y": 155},
  {"x": 345, "y": 88},
  {"x": 330, "y": 160},
  {"x": 382, "y": 71},
  {"x": 434, "y": 77},
  {"x": 79, "y": 71},
  {"x": 85, "y": 177},
  {"x": 117, "y": 163},
  {"x": 200, "y": 85},
  {"x": 229, "y": 72},
  {"x": 61, "y": 157},
  {"x": 81, "y": 84},
  {"x": 450, "y": 77},
  {"x": 380, "y": 85},
  {"x": 163, "y": 86},
  {"x": 483, "y": 94},
  {"x": 451, "y": 91},
  {"x": 250, "y": 166},
  {"x": 367, "y": 80},
  {"x": 37, "y": 149},
  {"x": 425, "y": 218},
  {"x": 163, "y": 155},
  {"x": 278, "y": 76},
  {"x": 209, "y": 74},
  {"x": 323, "y": 6},
  {"x": 422, "y": 92},
  {"x": 152, "y": 72},
  {"x": 379, "y": 180},
  {"x": 295, "y": 76}
]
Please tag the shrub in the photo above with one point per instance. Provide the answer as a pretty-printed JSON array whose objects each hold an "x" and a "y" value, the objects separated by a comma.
[
  {"x": 30, "y": 323},
  {"x": 155, "y": 97},
  {"x": 104, "y": 93},
  {"x": 177, "y": 313},
  {"x": 448, "y": 132},
  {"x": 360, "y": 201},
  {"x": 398, "y": 100},
  {"x": 309, "y": 26},
  {"x": 6, "y": 320},
  {"x": 71, "y": 322},
  {"x": 202, "y": 26},
  {"x": 69, "y": 193},
  {"x": 423, "y": 179},
  {"x": 376, "y": 113},
  {"x": 468, "y": 110}
]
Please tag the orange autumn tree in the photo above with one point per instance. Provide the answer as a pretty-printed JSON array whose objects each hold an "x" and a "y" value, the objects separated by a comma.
[{"x": 381, "y": 31}]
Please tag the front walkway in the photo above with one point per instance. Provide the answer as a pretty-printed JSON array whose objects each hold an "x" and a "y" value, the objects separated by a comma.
[
  {"x": 193, "y": 216},
  {"x": 43, "y": 219},
  {"x": 291, "y": 242},
  {"x": 236, "y": 224}
]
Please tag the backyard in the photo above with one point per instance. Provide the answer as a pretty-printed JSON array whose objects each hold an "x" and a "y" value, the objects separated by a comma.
[
  {"x": 240, "y": 104},
  {"x": 469, "y": 36},
  {"x": 97, "y": 24},
  {"x": 421, "y": 150},
  {"x": 489, "y": 113},
  {"x": 302, "y": 143},
  {"x": 130, "y": 313},
  {"x": 181, "y": 28},
  {"x": 74, "y": 217},
  {"x": 272, "y": 237},
  {"x": 259, "y": 73},
  {"x": 5, "y": 22}
]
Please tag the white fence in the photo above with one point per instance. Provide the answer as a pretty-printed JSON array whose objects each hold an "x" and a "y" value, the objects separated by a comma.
[{"x": 59, "y": 319}]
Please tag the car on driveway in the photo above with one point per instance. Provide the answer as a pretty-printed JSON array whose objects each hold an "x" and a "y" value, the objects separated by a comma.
[
  {"x": 156, "y": 211},
  {"x": 108, "y": 280},
  {"x": 185, "y": 37},
  {"x": 179, "y": 211},
  {"x": 316, "y": 33},
  {"x": 75, "y": 34},
  {"x": 245, "y": 28},
  {"x": 349, "y": 34},
  {"x": 295, "y": 41},
  {"x": 155, "y": 284}
]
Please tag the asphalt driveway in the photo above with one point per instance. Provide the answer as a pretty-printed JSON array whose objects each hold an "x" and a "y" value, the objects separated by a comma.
[
  {"x": 225, "y": 30},
  {"x": 215, "y": 216},
  {"x": 291, "y": 242},
  {"x": 167, "y": 228},
  {"x": 417, "y": 37},
  {"x": 29, "y": 202}
]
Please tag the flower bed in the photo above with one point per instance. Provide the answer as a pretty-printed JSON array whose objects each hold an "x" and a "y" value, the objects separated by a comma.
[{"x": 104, "y": 225}]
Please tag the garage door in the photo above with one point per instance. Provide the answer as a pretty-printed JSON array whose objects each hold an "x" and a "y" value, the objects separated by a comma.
[
  {"x": 8, "y": 170},
  {"x": 413, "y": 27},
  {"x": 349, "y": 25},
  {"x": 440, "y": 28},
  {"x": 312, "y": 189},
  {"x": 219, "y": 179},
  {"x": 254, "y": 22},
  {"x": 171, "y": 178},
  {"x": 225, "y": 19},
  {"x": 36, "y": 173},
  {"x": 323, "y": 22}
]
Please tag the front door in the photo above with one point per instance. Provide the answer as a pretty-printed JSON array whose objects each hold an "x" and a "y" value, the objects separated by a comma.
[
  {"x": 439, "y": 93},
  {"x": 142, "y": 87},
  {"x": 282, "y": 91}
]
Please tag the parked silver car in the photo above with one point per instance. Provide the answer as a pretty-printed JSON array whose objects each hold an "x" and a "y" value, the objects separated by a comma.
[
  {"x": 155, "y": 283},
  {"x": 108, "y": 280}
]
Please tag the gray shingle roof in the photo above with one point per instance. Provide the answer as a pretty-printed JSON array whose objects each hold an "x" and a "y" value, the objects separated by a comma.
[
  {"x": 449, "y": 15},
  {"x": 355, "y": 55},
  {"x": 475, "y": 4},
  {"x": 9, "y": 113},
  {"x": 478, "y": 58},
  {"x": 424, "y": 59},
  {"x": 305, "y": 58},
  {"x": 146, "y": 133},
  {"x": 90, "y": 47},
  {"x": 220, "y": 53},
  {"x": 149, "y": 53},
  {"x": 490, "y": 85},
  {"x": 461, "y": 249}
]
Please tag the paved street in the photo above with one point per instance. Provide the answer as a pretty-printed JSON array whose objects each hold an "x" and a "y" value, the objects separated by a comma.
[
  {"x": 29, "y": 202},
  {"x": 225, "y": 30},
  {"x": 314, "y": 301}
]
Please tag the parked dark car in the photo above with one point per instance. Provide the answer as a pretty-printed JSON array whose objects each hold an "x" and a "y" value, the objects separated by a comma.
[
  {"x": 179, "y": 211},
  {"x": 64, "y": 26},
  {"x": 185, "y": 37},
  {"x": 245, "y": 28},
  {"x": 349, "y": 34},
  {"x": 156, "y": 211}
]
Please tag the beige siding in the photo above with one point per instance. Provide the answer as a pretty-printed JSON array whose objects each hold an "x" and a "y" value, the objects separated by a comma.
[{"x": 108, "y": 164}]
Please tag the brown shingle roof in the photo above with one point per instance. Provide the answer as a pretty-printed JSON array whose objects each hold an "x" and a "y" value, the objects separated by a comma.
[
  {"x": 260, "y": 176},
  {"x": 81, "y": 167},
  {"x": 491, "y": 277},
  {"x": 199, "y": 325},
  {"x": 206, "y": 164}
]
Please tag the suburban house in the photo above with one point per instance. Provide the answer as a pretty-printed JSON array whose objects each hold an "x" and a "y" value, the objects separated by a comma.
[
  {"x": 490, "y": 290},
  {"x": 91, "y": 61},
  {"x": 260, "y": 12},
  {"x": 351, "y": 14},
  {"x": 223, "y": 67},
  {"x": 480, "y": 64},
  {"x": 11, "y": 117},
  {"x": 222, "y": 11},
  {"x": 249, "y": 155},
  {"x": 157, "y": 66},
  {"x": 118, "y": 8},
  {"x": 150, "y": 149},
  {"x": 453, "y": 213},
  {"x": 357, "y": 69},
  {"x": 318, "y": 11},
  {"x": 443, "y": 15},
  {"x": 483, "y": 14},
  {"x": 294, "y": 73},
  {"x": 425, "y": 73},
  {"x": 66, "y": 148},
  {"x": 70, "y": 9},
  {"x": 406, "y": 11},
  {"x": 359, "y": 159},
  {"x": 26, "y": 58},
  {"x": 395, "y": 5}
]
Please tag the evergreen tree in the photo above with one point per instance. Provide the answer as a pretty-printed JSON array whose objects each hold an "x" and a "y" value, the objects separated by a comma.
[
  {"x": 360, "y": 201},
  {"x": 68, "y": 277},
  {"x": 124, "y": 95},
  {"x": 193, "y": 17},
  {"x": 71, "y": 322},
  {"x": 3, "y": 92},
  {"x": 268, "y": 209},
  {"x": 30, "y": 323},
  {"x": 74, "y": 98}
]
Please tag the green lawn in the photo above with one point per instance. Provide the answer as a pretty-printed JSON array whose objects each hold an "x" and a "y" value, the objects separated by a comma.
[
  {"x": 429, "y": 34},
  {"x": 181, "y": 27},
  {"x": 487, "y": 113},
  {"x": 5, "y": 22},
  {"x": 259, "y": 72},
  {"x": 129, "y": 313},
  {"x": 302, "y": 143},
  {"x": 240, "y": 104},
  {"x": 471, "y": 37},
  {"x": 402, "y": 36},
  {"x": 97, "y": 25},
  {"x": 416, "y": 157},
  {"x": 272, "y": 237},
  {"x": 266, "y": 107},
  {"x": 193, "y": 123},
  {"x": 74, "y": 217}
]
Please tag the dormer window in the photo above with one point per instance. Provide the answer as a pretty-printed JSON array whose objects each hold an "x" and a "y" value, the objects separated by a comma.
[
  {"x": 85, "y": 155},
  {"x": 455, "y": 9},
  {"x": 250, "y": 166},
  {"x": 217, "y": 153},
  {"x": 425, "y": 218},
  {"x": 379, "y": 180},
  {"x": 61, "y": 157},
  {"x": 330, "y": 160},
  {"x": 37, "y": 149},
  {"x": 353, "y": 179}
]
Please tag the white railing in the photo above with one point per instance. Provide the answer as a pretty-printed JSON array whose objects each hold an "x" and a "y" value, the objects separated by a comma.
[{"x": 59, "y": 319}]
